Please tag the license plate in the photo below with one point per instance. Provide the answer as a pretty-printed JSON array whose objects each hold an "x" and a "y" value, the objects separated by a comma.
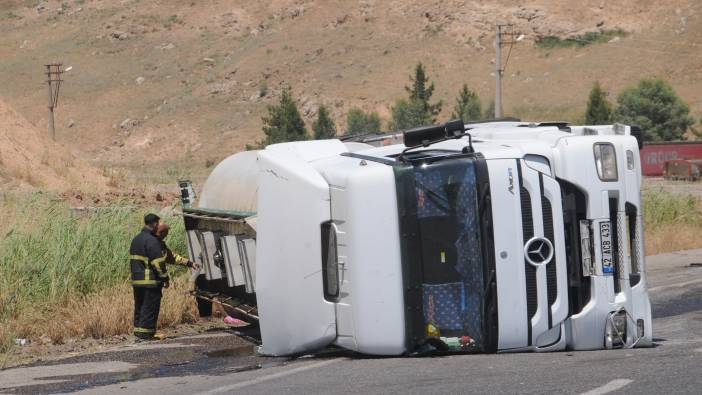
[{"x": 606, "y": 246}]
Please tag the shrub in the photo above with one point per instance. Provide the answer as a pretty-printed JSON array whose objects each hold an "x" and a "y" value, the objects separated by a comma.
[
  {"x": 467, "y": 106},
  {"x": 323, "y": 127},
  {"x": 654, "y": 105},
  {"x": 550, "y": 42},
  {"x": 358, "y": 122},
  {"x": 407, "y": 114},
  {"x": 599, "y": 111}
]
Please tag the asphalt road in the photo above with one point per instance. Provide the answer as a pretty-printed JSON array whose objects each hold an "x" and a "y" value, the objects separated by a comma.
[{"x": 221, "y": 362}]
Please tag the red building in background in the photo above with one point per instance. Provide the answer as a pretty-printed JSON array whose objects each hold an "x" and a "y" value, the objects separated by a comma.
[{"x": 654, "y": 155}]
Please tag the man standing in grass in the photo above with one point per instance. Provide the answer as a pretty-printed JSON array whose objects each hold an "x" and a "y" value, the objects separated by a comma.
[{"x": 147, "y": 260}]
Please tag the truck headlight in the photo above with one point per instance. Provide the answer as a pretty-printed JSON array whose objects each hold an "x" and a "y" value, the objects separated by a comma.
[
  {"x": 615, "y": 330},
  {"x": 606, "y": 161}
]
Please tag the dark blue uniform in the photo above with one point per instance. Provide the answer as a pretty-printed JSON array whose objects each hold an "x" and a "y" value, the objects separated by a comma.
[{"x": 147, "y": 259}]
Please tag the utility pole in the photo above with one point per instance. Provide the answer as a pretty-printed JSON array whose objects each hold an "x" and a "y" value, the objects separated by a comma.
[
  {"x": 53, "y": 79},
  {"x": 503, "y": 30}
]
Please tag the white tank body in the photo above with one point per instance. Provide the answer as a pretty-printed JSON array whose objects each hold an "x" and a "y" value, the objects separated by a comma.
[{"x": 233, "y": 184}]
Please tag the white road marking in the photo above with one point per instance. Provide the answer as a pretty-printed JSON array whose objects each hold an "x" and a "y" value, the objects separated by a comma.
[
  {"x": 258, "y": 380},
  {"x": 609, "y": 387}
]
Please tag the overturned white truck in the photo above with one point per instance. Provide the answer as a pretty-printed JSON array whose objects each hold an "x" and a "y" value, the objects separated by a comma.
[{"x": 485, "y": 237}]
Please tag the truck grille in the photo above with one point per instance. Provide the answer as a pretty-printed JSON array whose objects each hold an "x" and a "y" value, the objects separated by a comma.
[
  {"x": 551, "y": 281},
  {"x": 528, "y": 231},
  {"x": 529, "y": 270}
]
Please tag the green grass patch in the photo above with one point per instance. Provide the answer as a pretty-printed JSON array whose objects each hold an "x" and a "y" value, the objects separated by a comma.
[
  {"x": 51, "y": 253},
  {"x": 603, "y": 36},
  {"x": 664, "y": 208},
  {"x": 9, "y": 15},
  {"x": 172, "y": 20}
]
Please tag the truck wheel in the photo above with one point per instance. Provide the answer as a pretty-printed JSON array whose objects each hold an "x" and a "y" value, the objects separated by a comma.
[{"x": 204, "y": 307}]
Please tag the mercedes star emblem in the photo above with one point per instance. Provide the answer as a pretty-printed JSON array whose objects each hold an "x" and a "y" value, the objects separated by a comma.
[{"x": 538, "y": 251}]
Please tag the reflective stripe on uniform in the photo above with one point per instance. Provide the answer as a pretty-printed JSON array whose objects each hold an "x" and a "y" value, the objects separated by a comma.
[
  {"x": 181, "y": 260},
  {"x": 145, "y": 282},
  {"x": 156, "y": 263},
  {"x": 143, "y": 330},
  {"x": 147, "y": 268}
]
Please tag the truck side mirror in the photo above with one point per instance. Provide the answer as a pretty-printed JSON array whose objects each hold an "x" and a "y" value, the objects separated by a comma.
[{"x": 187, "y": 193}]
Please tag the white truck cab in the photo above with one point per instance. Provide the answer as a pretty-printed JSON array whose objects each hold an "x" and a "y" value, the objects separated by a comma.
[{"x": 486, "y": 237}]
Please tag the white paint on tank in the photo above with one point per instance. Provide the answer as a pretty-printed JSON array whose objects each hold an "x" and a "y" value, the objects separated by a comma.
[{"x": 233, "y": 184}]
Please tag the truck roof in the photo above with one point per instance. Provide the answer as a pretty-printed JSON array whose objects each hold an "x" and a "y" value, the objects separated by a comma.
[
  {"x": 503, "y": 139},
  {"x": 492, "y": 140}
]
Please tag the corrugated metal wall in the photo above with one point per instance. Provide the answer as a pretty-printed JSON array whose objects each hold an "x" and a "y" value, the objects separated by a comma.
[{"x": 654, "y": 155}]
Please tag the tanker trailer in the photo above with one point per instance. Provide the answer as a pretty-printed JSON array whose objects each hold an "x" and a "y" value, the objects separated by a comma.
[{"x": 499, "y": 236}]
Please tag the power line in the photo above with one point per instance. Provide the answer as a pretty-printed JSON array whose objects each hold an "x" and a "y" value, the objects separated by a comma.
[
  {"x": 503, "y": 29},
  {"x": 53, "y": 79}
]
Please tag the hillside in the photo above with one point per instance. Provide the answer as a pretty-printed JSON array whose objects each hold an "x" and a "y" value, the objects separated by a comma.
[
  {"x": 29, "y": 159},
  {"x": 160, "y": 81}
]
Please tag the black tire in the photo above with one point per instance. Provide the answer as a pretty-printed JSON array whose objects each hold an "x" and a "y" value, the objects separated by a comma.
[{"x": 204, "y": 307}]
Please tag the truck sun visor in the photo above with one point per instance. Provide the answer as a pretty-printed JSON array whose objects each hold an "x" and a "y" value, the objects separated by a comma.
[{"x": 424, "y": 135}]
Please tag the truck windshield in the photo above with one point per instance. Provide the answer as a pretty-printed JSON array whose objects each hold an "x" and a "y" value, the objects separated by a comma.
[{"x": 442, "y": 254}]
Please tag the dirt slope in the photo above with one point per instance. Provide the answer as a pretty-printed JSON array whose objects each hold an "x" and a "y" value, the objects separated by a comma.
[
  {"x": 29, "y": 158},
  {"x": 185, "y": 80}
]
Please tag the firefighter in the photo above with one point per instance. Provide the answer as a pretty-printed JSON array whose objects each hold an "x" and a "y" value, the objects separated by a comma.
[
  {"x": 147, "y": 260},
  {"x": 172, "y": 258}
]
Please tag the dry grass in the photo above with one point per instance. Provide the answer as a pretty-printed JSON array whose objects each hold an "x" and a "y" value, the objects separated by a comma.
[
  {"x": 110, "y": 312},
  {"x": 103, "y": 314},
  {"x": 672, "y": 222},
  {"x": 669, "y": 238}
]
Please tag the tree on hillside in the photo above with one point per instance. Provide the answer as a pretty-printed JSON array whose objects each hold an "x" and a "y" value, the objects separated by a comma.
[
  {"x": 599, "y": 110},
  {"x": 283, "y": 122},
  {"x": 358, "y": 122},
  {"x": 467, "y": 106},
  {"x": 323, "y": 127},
  {"x": 407, "y": 114},
  {"x": 417, "y": 110},
  {"x": 421, "y": 90},
  {"x": 654, "y": 105}
]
